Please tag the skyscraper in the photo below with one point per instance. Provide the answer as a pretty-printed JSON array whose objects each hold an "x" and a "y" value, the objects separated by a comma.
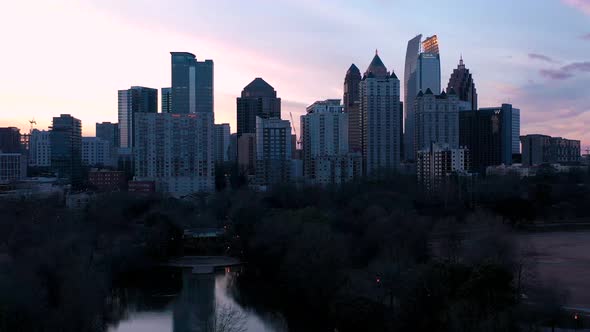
[
  {"x": 380, "y": 108},
  {"x": 97, "y": 152},
  {"x": 137, "y": 99},
  {"x": 10, "y": 140},
  {"x": 166, "y": 100},
  {"x": 66, "y": 148},
  {"x": 462, "y": 82},
  {"x": 176, "y": 151},
  {"x": 437, "y": 119},
  {"x": 222, "y": 142},
  {"x": 273, "y": 151},
  {"x": 259, "y": 99},
  {"x": 40, "y": 148},
  {"x": 352, "y": 107},
  {"x": 511, "y": 131},
  {"x": 109, "y": 132},
  {"x": 192, "y": 84},
  {"x": 422, "y": 72}
]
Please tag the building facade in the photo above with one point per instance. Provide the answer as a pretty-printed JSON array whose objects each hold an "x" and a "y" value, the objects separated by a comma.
[
  {"x": 192, "y": 84},
  {"x": 109, "y": 132},
  {"x": 135, "y": 100},
  {"x": 13, "y": 167},
  {"x": 258, "y": 99},
  {"x": 66, "y": 148},
  {"x": 222, "y": 142},
  {"x": 176, "y": 151},
  {"x": 97, "y": 152},
  {"x": 511, "y": 132},
  {"x": 439, "y": 161},
  {"x": 10, "y": 140},
  {"x": 381, "y": 114},
  {"x": 107, "y": 180},
  {"x": 166, "y": 103},
  {"x": 352, "y": 81},
  {"x": 462, "y": 82},
  {"x": 543, "y": 149},
  {"x": 246, "y": 153},
  {"x": 273, "y": 151},
  {"x": 437, "y": 119},
  {"x": 40, "y": 149}
]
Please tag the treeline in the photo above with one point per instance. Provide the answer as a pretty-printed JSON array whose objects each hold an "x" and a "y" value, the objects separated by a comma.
[{"x": 367, "y": 256}]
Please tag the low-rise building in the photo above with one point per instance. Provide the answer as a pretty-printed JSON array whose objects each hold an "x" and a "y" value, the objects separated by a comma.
[
  {"x": 13, "y": 167},
  {"x": 543, "y": 149},
  {"x": 107, "y": 180},
  {"x": 143, "y": 187}
]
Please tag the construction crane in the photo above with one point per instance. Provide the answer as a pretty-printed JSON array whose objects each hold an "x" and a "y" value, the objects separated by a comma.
[
  {"x": 32, "y": 122},
  {"x": 295, "y": 130}
]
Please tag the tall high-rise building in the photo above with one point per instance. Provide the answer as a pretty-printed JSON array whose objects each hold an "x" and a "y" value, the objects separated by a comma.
[
  {"x": 192, "y": 84},
  {"x": 380, "y": 108},
  {"x": 462, "y": 82},
  {"x": 176, "y": 151},
  {"x": 135, "y": 100},
  {"x": 109, "y": 132},
  {"x": 489, "y": 134},
  {"x": 40, "y": 149},
  {"x": 352, "y": 81},
  {"x": 97, "y": 152},
  {"x": 543, "y": 149},
  {"x": 273, "y": 151},
  {"x": 422, "y": 72},
  {"x": 166, "y": 100},
  {"x": 66, "y": 148},
  {"x": 437, "y": 119},
  {"x": 10, "y": 138},
  {"x": 324, "y": 133},
  {"x": 222, "y": 142},
  {"x": 258, "y": 99}
]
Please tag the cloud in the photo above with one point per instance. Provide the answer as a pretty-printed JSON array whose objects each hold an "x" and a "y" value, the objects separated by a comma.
[
  {"x": 537, "y": 56},
  {"x": 582, "y": 5},
  {"x": 586, "y": 37},
  {"x": 566, "y": 71}
]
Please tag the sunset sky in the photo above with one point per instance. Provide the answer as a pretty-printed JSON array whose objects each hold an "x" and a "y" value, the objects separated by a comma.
[{"x": 61, "y": 56}]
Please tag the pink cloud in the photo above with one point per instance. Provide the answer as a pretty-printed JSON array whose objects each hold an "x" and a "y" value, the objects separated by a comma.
[{"x": 583, "y": 5}]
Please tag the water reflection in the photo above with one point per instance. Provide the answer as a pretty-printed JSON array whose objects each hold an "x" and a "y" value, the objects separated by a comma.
[{"x": 204, "y": 303}]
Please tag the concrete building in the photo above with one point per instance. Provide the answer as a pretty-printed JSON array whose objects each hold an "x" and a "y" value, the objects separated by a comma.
[
  {"x": 273, "y": 151},
  {"x": 13, "y": 167},
  {"x": 176, "y": 151},
  {"x": 66, "y": 148},
  {"x": 247, "y": 153},
  {"x": 326, "y": 157},
  {"x": 258, "y": 99},
  {"x": 97, "y": 152},
  {"x": 352, "y": 81},
  {"x": 381, "y": 111},
  {"x": 462, "y": 82},
  {"x": 40, "y": 149},
  {"x": 439, "y": 161},
  {"x": 109, "y": 132},
  {"x": 437, "y": 119},
  {"x": 232, "y": 151},
  {"x": 107, "y": 180},
  {"x": 135, "y": 100},
  {"x": 10, "y": 140},
  {"x": 192, "y": 84},
  {"x": 542, "y": 149},
  {"x": 166, "y": 97},
  {"x": 222, "y": 142}
]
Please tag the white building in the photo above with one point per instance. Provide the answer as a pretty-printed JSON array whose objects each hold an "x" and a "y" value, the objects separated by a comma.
[
  {"x": 222, "y": 142},
  {"x": 13, "y": 167},
  {"x": 40, "y": 149},
  {"x": 97, "y": 152},
  {"x": 440, "y": 161},
  {"x": 324, "y": 132},
  {"x": 273, "y": 151},
  {"x": 381, "y": 111},
  {"x": 437, "y": 119},
  {"x": 176, "y": 151}
]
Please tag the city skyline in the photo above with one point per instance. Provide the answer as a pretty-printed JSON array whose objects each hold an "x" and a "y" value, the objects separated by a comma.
[{"x": 539, "y": 68}]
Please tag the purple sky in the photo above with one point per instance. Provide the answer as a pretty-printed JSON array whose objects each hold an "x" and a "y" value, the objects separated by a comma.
[{"x": 65, "y": 56}]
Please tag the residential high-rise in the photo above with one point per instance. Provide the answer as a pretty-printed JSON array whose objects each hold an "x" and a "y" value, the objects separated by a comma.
[
  {"x": 489, "y": 134},
  {"x": 462, "y": 82},
  {"x": 273, "y": 151},
  {"x": 176, "y": 151},
  {"x": 40, "y": 149},
  {"x": 324, "y": 133},
  {"x": 109, "y": 132},
  {"x": 436, "y": 163},
  {"x": 258, "y": 99},
  {"x": 97, "y": 152},
  {"x": 222, "y": 142},
  {"x": 352, "y": 81},
  {"x": 10, "y": 139},
  {"x": 192, "y": 84},
  {"x": 380, "y": 108},
  {"x": 422, "y": 72},
  {"x": 13, "y": 167},
  {"x": 135, "y": 100},
  {"x": 166, "y": 100},
  {"x": 543, "y": 149},
  {"x": 437, "y": 119},
  {"x": 66, "y": 148}
]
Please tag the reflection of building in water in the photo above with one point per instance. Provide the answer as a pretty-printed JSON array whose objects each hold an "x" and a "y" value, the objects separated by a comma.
[{"x": 196, "y": 303}]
